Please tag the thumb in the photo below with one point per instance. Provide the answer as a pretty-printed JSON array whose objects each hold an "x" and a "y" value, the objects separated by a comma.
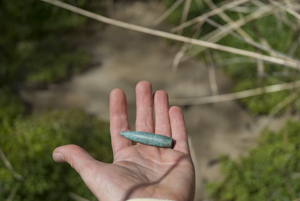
[{"x": 77, "y": 157}]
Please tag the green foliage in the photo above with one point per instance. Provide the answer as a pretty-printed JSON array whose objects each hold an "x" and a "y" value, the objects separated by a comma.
[
  {"x": 269, "y": 172},
  {"x": 28, "y": 147},
  {"x": 34, "y": 44},
  {"x": 55, "y": 64},
  {"x": 267, "y": 29},
  {"x": 261, "y": 104},
  {"x": 37, "y": 47},
  {"x": 11, "y": 108}
]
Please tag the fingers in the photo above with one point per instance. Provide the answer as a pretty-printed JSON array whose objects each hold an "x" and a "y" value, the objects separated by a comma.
[
  {"x": 78, "y": 158},
  {"x": 169, "y": 122},
  {"x": 118, "y": 120},
  {"x": 161, "y": 107},
  {"x": 144, "y": 107},
  {"x": 178, "y": 130}
]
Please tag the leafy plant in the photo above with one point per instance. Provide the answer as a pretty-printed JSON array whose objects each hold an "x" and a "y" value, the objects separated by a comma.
[
  {"x": 269, "y": 172},
  {"x": 28, "y": 147},
  {"x": 11, "y": 109},
  {"x": 34, "y": 44},
  {"x": 36, "y": 47}
]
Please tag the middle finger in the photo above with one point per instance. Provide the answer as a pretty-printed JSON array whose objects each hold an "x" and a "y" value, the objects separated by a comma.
[{"x": 144, "y": 107}]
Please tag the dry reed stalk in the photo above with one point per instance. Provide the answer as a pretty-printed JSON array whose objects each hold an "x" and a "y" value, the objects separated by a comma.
[
  {"x": 229, "y": 28},
  {"x": 258, "y": 3},
  {"x": 243, "y": 34},
  {"x": 237, "y": 95},
  {"x": 228, "y": 20},
  {"x": 291, "y": 63},
  {"x": 167, "y": 13},
  {"x": 185, "y": 13},
  {"x": 295, "y": 44},
  {"x": 260, "y": 70},
  {"x": 216, "y": 35},
  {"x": 9, "y": 166},
  {"x": 288, "y": 100},
  {"x": 211, "y": 74},
  {"x": 209, "y": 14},
  {"x": 12, "y": 193},
  {"x": 195, "y": 160},
  {"x": 287, "y": 21},
  {"x": 184, "y": 48},
  {"x": 234, "y": 60},
  {"x": 287, "y": 9},
  {"x": 281, "y": 15},
  {"x": 263, "y": 46},
  {"x": 76, "y": 197},
  {"x": 293, "y": 4},
  {"x": 223, "y": 31},
  {"x": 242, "y": 9},
  {"x": 178, "y": 56}
]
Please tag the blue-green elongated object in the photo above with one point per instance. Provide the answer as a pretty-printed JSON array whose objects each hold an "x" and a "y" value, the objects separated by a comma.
[{"x": 149, "y": 138}]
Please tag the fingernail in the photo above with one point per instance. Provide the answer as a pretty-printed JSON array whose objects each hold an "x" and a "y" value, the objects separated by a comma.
[{"x": 58, "y": 157}]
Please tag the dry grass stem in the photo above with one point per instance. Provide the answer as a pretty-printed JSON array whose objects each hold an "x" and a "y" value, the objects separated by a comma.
[
  {"x": 295, "y": 44},
  {"x": 237, "y": 95},
  {"x": 242, "y": 9},
  {"x": 229, "y": 28},
  {"x": 258, "y": 3},
  {"x": 209, "y": 14},
  {"x": 9, "y": 166},
  {"x": 167, "y": 13},
  {"x": 223, "y": 31},
  {"x": 284, "y": 18},
  {"x": 76, "y": 197},
  {"x": 218, "y": 34},
  {"x": 287, "y": 101},
  {"x": 212, "y": 80},
  {"x": 260, "y": 70},
  {"x": 227, "y": 19},
  {"x": 263, "y": 46},
  {"x": 234, "y": 60},
  {"x": 178, "y": 56},
  {"x": 211, "y": 74},
  {"x": 12, "y": 193},
  {"x": 194, "y": 159},
  {"x": 287, "y": 9},
  {"x": 291, "y": 63},
  {"x": 185, "y": 13},
  {"x": 244, "y": 36},
  {"x": 184, "y": 48}
]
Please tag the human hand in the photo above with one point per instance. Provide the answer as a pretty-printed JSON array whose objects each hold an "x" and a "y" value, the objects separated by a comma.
[{"x": 138, "y": 171}]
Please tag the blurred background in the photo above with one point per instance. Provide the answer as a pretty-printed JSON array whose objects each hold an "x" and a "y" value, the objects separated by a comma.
[{"x": 238, "y": 89}]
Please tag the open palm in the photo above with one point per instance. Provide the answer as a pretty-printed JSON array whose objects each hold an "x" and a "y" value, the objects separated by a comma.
[{"x": 138, "y": 171}]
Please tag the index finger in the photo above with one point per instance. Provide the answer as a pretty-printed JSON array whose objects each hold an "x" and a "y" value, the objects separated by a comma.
[{"x": 118, "y": 120}]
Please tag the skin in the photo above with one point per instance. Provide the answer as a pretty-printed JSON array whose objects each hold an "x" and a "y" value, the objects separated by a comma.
[{"x": 138, "y": 171}]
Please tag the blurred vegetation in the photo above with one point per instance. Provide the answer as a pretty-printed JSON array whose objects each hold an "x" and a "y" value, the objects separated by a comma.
[
  {"x": 37, "y": 48},
  {"x": 29, "y": 146},
  {"x": 266, "y": 30},
  {"x": 269, "y": 172}
]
